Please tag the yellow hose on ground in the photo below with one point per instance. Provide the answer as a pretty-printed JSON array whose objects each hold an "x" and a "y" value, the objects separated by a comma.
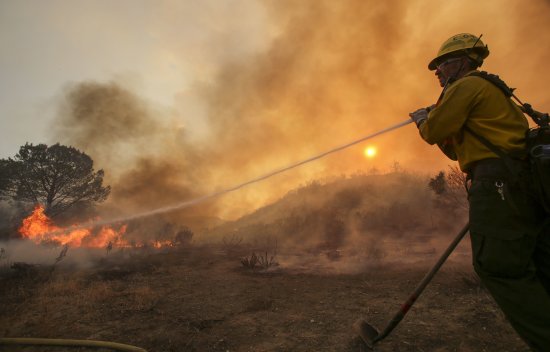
[{"x": 27, "y": 341}]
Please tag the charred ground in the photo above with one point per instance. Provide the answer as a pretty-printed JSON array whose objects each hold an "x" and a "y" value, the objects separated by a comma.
[
  {"x": 345, "y": 249},
  {"x": 202, "y": 299}
]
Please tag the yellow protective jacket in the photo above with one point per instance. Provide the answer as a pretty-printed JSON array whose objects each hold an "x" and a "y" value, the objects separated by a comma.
[{"x": 477, "y": 103}]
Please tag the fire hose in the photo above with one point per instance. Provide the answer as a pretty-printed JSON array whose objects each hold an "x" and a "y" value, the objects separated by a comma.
[
  {"x": 69, "y": 343},
  {"x": 204, "y": 198},
  {"x": 129, "y": 348}
]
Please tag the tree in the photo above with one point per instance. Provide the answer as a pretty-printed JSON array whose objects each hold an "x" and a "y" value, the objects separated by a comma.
[
  {"x": 59, "y": 177},
  {"x": 438, "y": 183},
  {"x": 450, "y": 188}
]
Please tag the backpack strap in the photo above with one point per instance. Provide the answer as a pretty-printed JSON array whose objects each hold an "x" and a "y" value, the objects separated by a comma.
[
  {"x": 495, "y": 79},
  {"x": 488, "y": 144},
  {"x": 511, "y": 165},
  {"x": 540, "y": 119}
]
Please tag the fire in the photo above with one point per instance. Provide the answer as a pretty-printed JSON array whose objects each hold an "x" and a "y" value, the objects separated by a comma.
[
  {"x": 40, "y": 229},
  {"x": 161, "y": 244}
]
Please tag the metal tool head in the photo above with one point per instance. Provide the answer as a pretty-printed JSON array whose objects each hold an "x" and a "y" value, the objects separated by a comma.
[{"x": 366, "y": 332}]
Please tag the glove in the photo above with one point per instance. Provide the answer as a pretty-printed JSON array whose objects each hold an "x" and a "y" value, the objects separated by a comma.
[{"x": 419, "y": 116}]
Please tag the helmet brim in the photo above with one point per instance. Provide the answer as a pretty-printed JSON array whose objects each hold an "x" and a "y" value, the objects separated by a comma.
[
  {"x": 482, "y": 53},
  {"x": 438, "y": 60}
]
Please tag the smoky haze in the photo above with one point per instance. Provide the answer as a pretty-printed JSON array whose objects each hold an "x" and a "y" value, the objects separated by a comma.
[
  {"x": 148, "y": 161},
  {"x": 332, "y": 72}
]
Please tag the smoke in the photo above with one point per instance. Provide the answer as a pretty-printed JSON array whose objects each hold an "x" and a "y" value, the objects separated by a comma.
[
  {"x": 350, "y": 224},
  {"x": 28, "y": 252},
  {"x": 98, "y": 115},
  {"x": 147, "y": 160},
  {"x": 337, "y": 70},
  {"x": 330, "y": 72}
]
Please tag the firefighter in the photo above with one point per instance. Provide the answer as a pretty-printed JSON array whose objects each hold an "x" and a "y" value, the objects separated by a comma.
[{"x": 509, "y": 231}]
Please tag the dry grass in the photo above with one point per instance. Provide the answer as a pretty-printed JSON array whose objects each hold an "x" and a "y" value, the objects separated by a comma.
[
  {"x": 198, "y": 298},
  {"x": 261, "y": 261},
  {"x": 198, "y": 301}
]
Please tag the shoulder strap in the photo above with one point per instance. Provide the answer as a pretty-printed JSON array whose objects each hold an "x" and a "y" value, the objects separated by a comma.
[
  {"x": 488, "y": 144},
  {"x": 540, "y": 119},
  {"x": 494, "y": 79},
  {"x": 508, "y": 92},
  {"x": 508, "y": 161}
]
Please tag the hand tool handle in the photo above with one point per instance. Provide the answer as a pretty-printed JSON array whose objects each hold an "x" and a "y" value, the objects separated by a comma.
[{"x": 422, "y": 285}]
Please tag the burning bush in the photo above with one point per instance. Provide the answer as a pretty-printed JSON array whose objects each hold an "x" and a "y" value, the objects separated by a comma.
[{"x": 39, "y": 228}]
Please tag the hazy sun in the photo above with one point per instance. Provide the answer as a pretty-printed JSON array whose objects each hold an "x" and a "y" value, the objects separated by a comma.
[{"x": 370, "y": 152}]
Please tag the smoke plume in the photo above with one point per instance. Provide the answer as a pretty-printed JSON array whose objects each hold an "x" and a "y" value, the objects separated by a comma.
[
  {"x": 332, "y": 72},
  {"x": 147, "y": 160}
]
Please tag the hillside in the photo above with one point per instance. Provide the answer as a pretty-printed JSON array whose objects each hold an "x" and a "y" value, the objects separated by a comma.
[{"x": 378, "y": 214}]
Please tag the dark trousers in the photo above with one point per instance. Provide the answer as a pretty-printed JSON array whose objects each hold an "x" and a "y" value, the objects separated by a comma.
[{"x": 510, "y": 234}]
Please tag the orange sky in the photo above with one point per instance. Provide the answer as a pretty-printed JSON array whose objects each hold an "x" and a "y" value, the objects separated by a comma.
[{"x": 175, "y": 100}]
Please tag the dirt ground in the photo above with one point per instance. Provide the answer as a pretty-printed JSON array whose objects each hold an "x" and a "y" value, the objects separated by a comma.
[{"x": 203, "y": 299}]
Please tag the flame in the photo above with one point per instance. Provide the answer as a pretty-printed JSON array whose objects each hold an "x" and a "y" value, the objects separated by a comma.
[
  {"x": 162, "y": 244},
  {"x": 38, "y": 228}
]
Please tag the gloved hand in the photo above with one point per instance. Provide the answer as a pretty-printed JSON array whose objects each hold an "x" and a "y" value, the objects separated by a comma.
[{"x": 419, "y": 116}]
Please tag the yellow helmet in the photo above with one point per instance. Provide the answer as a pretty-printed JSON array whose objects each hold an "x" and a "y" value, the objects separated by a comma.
[{"x": 461, "y": 43}]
